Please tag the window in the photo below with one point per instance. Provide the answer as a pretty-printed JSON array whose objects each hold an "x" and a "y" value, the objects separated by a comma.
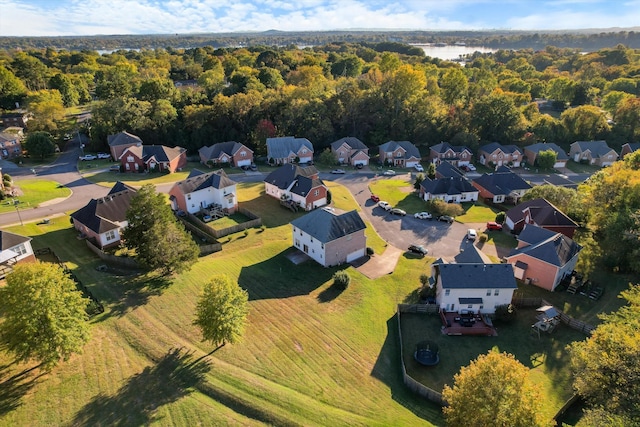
[
  {"x": 470, "y": 306},
  {"x": 297, "y": 243},
  {"x": 129, "y": 158},
  {"x": 488, "y": 292},
  {"x": 243, "y": 154},
  {"x": 481, "y": 307},
  {"x": 447, "y": 292},
  {"x": 110, "y": 235},
  {"x": 20, "y": 249},
  {"x": 188, "y": 196},
  {"x": 496, "y": 293},
  {"x": 316, "y": 192}
]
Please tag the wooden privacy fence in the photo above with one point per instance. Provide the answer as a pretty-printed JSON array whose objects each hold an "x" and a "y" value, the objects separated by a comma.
[
  {"x": 208, "y": 243},
  {"x": 578, "y": 325},
  {"x": 112, "y": 259},
  {"x": 255, "y": 221}
]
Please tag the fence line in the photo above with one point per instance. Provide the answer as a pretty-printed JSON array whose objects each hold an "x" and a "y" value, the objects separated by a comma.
[
  {"x": 212, "y": 245},
  {"x": 113, "y": 259},
  {"x": 576, "y": 324},
  {"x": 255, "y": 221}
]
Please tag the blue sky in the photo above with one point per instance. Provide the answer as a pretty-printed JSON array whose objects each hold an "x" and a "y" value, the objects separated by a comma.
[{"x": 91, "y": 17}]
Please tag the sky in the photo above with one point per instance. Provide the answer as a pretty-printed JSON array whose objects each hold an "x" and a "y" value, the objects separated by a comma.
[{"x": 108, "y": 17}]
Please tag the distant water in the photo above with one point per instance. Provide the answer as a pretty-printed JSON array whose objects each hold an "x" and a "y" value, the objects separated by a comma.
[{"x": 451, "y": 52}]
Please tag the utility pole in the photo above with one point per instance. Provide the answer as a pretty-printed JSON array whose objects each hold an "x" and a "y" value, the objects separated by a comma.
[{"x": 15, "y": 204}]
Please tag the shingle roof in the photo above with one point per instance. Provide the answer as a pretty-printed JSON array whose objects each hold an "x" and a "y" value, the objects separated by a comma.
[
  {"x": 542, "y": 213},
  {"x": 443, "y": 147},
  {"x": 633, "y": 146},
  {"x": 304, "y": 184},
  {"x": 160, "y": 152},
  {"x": 556, "y": 249},
  {"x": 123, "y": 138},
  {"x": 216, "y": 179},
  {"x": 449, "y": 186},
  {"x": 447, "y": 170},
  {"x": 472, "y": 255},
  {"x": 544, "y": 146},
  {"x": 477, "y": 276},
  {"x": 284, "y": 176},
  {"x": 327, "y": 225},
  {"x": 214, "y": 151},
  {"x": 493, "y": 146},
  {"x": 9, "y": 240},
  {"x": 283, "y": 147},
  {"x": 101, "y": 215},
  {"x": 502, "y": 182},
  {"x": 410, "y": 149},
  {"x": 597, "y": 148},
  {"x": 351, "y": 141}
]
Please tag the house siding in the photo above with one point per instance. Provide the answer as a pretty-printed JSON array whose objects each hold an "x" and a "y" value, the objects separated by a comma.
[
  {"x": 331, "y": 253},
  {"x": 489, "y": 303}
]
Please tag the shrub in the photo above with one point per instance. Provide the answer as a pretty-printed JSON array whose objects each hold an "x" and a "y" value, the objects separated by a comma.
[
  {"x": 369, "y": 251},
  {"x": 341, "y": 279},
  {"x": 483, "y": 237},
  {"x": 505, "y": 313},
  {"x": 424, "y": 279},
  {"x": 500, "y": 217}
]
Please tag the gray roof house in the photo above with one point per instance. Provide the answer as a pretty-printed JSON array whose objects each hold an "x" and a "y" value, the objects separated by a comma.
[
  {"x": 350, "y": 150},
  {"x": 230, "y": 152},
  {"x": 454, "y": 190},
  {"x": 120, "y": 142},
  {"x": 500, "y": 187},
  {"x": 399, "y": 153},
  {"x": 448, "y": 170},
  {"x": 542, "y": 213},
  {"x": 298, "y": 185},
  {"x": 201, "y": 190},
  {"x": 286, "y": 149},
  {"x": 455, "y": 154},
  {"x": 629, "y": 148},
  {"x": 532, "y": 151},
  {"x": 498, "y": 155},
  {"x": 593, "y": 152},
  {"x": 330, "y": 236},
  {"x": 14, "y": 249}
]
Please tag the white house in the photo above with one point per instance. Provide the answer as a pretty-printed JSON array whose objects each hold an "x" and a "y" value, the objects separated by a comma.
[
  {"x": 200, "y": 190},
  {"x": 14, "y": 249},
  {"x": 476, "y": 288}
]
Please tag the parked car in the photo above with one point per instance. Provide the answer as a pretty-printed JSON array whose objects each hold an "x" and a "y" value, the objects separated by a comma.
[
  {"x": 464, "y": 168},
  {"x": 419, "y": 168},
  {"x": 471, "y": 167},
  {"x": 423, "y": 215},
  {"x": 398, "y": 211},
  {"x": 492, "y": 225},
  {"x": 88, "y": 157},
  {"x": 104, "y": 155},
  {"x": 384, "y": 205},
  {"x": 471, "y": 234},
  {"x": 389, "y": 172},
  {"x": 114, "y": 168},
  {"x": 445, "y": 218},
  {"x": 253, "y": 167},
  {"x": 338, "y": 171},
  {"x": 418, "y": 249},
  {"x": 375, "y": 198},
  {"x": 359, "y": 166}
]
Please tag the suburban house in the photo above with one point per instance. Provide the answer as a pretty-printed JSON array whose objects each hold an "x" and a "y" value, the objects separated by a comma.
[
  {"x": 501, "y": 186},
  {"x": 399, "y": 153},
  {"x": 229, "y": 153},
  {"x": 14, "y": 249},
  {"x": 297, "y": 185},
  {"x": 330, "y": 237},
  {"x": 531, "y": 152},
  {"x": 541, "y": 213},
  {"x": 287, "y": 149},
  {"x": 543, "y": 257},
  {"x": 593, "y": 153},
  {"x": 447, "y": 170},
  {"x": 18, "y": 119},
  {"x": 458, "y": 155},
  {"x": 10, "y": 145},
  {"x": 473, "y": 288},
  {"x": 201, "y": 190},
  {"x": 497, "y": 154},
  {"x": 451, "y": 190},
  {"x": 629, "y": 148},
  {"x": 150, "y": 158},
  {"x": 120, "y": 142},
  {"x": 351, "y": 151},
  {"x": 102, "y": 220},
  {"x": 559, "y": 181}
]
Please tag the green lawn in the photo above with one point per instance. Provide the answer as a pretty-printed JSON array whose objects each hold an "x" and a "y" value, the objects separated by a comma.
[
  {"x": 399, "y": 193},
  {"x": 36, "y": 191},
  {"x": 582, "y": 168},
  {"x": 228, "y": 221},
  {"x": 477, "y": 212},
  {"x": 310, "y": 355}
]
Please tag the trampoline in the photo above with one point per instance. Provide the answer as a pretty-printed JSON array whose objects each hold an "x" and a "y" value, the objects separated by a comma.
[{"x": 427, "y": 353}]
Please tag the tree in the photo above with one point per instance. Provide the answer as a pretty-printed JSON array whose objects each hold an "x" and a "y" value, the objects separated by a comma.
[
  {"x": 496, "y": 118},
  {"x": 606, "y": 366},
  {"x": 546, "y": 159},
  {"x": 494, "y": 390},
  {"x": 40, "y": 144},
  {"x": 48, "y": 110},
  {"x": 44, "y": 314},
  {"x": 563, "y": 198},
  {"x": 328, "y": 157},
  {"x": 222, "y": 311},
  {"x": 431, "y": 171},
  {"x": 418, "y": 181},
  {"x": 585, "y": 123},
  {"x": 12, "y": 89}
]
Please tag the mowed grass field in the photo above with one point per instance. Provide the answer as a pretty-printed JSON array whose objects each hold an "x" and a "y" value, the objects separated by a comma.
[
  {"x": 35, "y": 192},
  {"x": 310, "y": 355}
]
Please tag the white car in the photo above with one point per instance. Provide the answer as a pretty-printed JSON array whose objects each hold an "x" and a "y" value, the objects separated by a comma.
[
  {"x": 471, "y": 167},
  {"x": 88, "y": 157},
  {"x": 471, "y": 234},
  {"x": 389, "y": 172},
  {"x": 419, "y": 168},
  {"x": 384, "y": 205},
  {"x": 104, "y": 155},
  {"x": 337, "y": 171},
  {"x": 423, "y": 215}
]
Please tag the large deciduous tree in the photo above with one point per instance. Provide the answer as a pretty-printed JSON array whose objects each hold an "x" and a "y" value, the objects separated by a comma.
[
  {"x": 40, "y": 144},
  {"x": 494, "y": 390},
  {"x": 12, "y": 89},
  {"x": 44, "y": 314},
  {"x": 222, "y": 311},
  {"x": 496, "y": 118},
  {"x": 546, "y": 159}
]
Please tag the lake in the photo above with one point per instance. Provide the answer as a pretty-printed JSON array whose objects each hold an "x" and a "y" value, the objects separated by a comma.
[{"x": 451, "y": 52}]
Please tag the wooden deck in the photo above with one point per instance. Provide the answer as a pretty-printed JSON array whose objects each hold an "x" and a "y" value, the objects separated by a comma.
[{"x": 476, "y": 324}]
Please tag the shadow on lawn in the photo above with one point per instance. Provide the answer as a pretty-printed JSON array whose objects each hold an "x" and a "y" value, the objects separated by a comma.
[
  {"x": 128, "y": 292},
  {"x": 171, "y": 378},
  {"x": 278, "y": 277},
  {"x": 14, "y": 388},
  {"x": 388, "y": 370}
]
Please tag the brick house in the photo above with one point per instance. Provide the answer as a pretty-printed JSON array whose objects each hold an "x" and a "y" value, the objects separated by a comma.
[
  {"x": 593, "y": 152},
  {"x": 120, "y": 142},
  {"x": 501, "y": 186},
  {"x": 498, "y": 155},
  {"x": 629, "y": 148},
  {"x": 298, "y": 185},
  {"x": 457, "y": 155},
  {"x": 399, "y": 153},
  {"x": 230, "y": 152},
  {"x": 200, "y": 190},
  {"x": 10, "y": 145},
  {"x": 541, "y": 213},
  {"x": 531, "y": 153},
  {"x": 153, "y": 158},
  {"x": 351, "y": 151},
  {"x": 330, "y": 237},
  {"x": 287, "y": 149}
]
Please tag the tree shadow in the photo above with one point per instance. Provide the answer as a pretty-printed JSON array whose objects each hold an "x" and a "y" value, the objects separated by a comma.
[
  {"x": 14, "y": 388},
  {"x": 136, "y": 403},
  {"x": 279, "y": 277},
  {"x": 127, "y": 293},
  {"x": 388, "y": 369},
  {"x": 331, "y": 293}
]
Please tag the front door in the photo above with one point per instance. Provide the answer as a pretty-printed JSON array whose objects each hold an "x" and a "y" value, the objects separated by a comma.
[{"x": 305, "y": 248}]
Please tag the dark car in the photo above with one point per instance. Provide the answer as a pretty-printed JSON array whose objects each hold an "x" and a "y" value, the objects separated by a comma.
[
  {"x": 418, "y": 249},
  {"x": 397, "y": 211},
  {"x": 445, "y": 218}
]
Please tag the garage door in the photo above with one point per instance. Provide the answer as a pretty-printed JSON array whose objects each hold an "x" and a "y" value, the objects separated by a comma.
[
  {"x": 355, "y": 255},
  {"x": 306, "y": 159},
  {"x": 246, "y": 162}
]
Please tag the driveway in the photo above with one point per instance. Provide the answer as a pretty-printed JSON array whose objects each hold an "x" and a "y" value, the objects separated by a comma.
[{"x": 379, "y": 265}]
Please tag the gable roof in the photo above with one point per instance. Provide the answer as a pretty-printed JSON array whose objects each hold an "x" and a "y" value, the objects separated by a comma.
[
  {"x": 10, "y": 240},
  {"x": 410, "y": 149},
  {"x": 351, "y": 141},
  {"x": 543, "y": 213},
  {"x": 633, "y": 146},
  {"x": 284, "y": 176},
  {"x": 493, "y": 146},
  {"x": 447, "y": 170},
  {"x": 544, "y": 146},
  {"x": 553, "y": 248},
  {"x": 104, "y": 214},
  {"x": 597, "y": 148},
  {"x": 214, "y": 151},
  {"x": 448, "y": 186},
  {"x": 283, "y": 147},
  {"x": 477, "y": 276},
  {"x": 123, "y": 138},
  {"x": 502, "y": 182},
  {"x": 329, "y": 224},
  {"x": 216, "y": 179},
  {"x": 443, "y": 147},
  {"x": 161, "y": 153},
  {"x": 472, "y": 255},
  {"x": 304, "y": 184}
]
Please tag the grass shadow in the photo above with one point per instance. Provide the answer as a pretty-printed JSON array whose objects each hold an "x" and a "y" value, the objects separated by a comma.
[
  {"x": 124, "y": 293},
  {"x": 174, "y": 376},
  {"x": 331, "y": 293},
  {"x": 14, "y": 388}
]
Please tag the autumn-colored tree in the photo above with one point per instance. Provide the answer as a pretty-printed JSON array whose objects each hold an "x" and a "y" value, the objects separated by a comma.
[{"x": 546, "y": 159}]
